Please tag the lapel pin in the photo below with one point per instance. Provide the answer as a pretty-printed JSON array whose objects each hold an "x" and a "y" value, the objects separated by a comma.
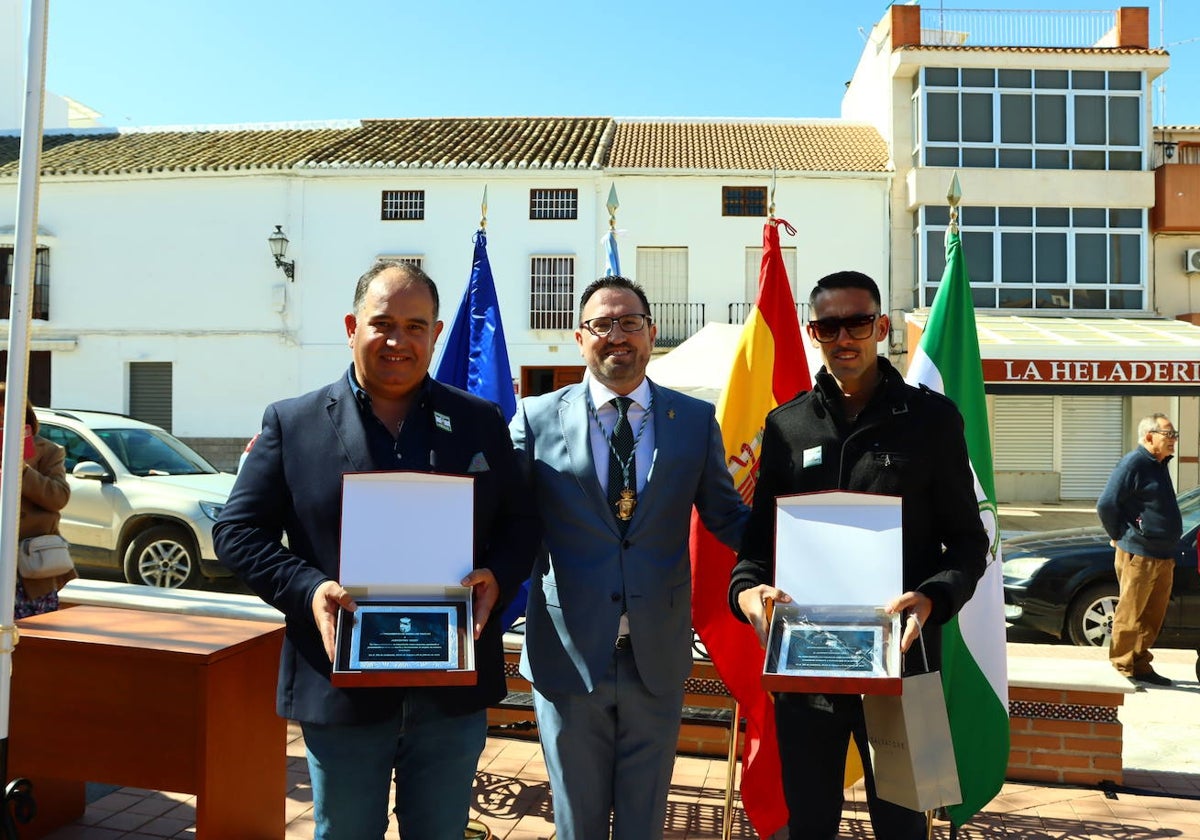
[{"x": 670, "y": 414}]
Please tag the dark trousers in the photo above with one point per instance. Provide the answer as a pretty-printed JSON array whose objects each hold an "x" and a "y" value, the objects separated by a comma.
[{"x": 814, "y": 732}]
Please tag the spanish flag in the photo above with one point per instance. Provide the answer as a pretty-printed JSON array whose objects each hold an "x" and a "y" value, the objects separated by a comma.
[{"x": 769, "y": 369}]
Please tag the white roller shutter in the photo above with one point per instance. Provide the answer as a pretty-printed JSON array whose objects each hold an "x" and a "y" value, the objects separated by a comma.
[
  {"x": 754, "y": 266},
  {"x": 1024, "y": 439},
  {"x": 1091, "y": 443},
  {"x": 663, "y": 273}
]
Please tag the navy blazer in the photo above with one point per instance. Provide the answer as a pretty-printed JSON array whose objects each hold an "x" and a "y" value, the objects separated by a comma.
[
  {"x": 291, "y": 483},
  {"x": 577, "y": 588}
]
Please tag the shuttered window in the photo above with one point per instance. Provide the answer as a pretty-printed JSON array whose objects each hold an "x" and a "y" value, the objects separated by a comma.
[
  {"x": 754, "y": 267},
  {"x": 1024, "y": 433},
  {"x": 1091, "y": 441},
  {"x": 663, "y": 274},
  {"x": 1078, "y": 437},
  {"x": 150, "y": 393}
]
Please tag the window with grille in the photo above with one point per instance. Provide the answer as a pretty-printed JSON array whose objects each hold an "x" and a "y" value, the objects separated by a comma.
[
  {"x": 403, "y": 205},
  {"x": 554, "y": 204},
  {"x": 411, "y": 259},
  {"x": 40, "y": 305},
  {"x": 743, "y": 201},
  {"x": 552, "y": 293}
]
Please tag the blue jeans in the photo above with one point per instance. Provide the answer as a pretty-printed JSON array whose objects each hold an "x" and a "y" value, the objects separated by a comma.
[{"x": 433, "y": 756}]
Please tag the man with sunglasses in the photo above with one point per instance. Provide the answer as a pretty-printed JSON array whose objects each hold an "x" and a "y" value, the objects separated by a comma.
[
  {"x": 617, "y": 463},
  {"x": 861, "y": 428},
  {"x": 1139, "y": 511}
]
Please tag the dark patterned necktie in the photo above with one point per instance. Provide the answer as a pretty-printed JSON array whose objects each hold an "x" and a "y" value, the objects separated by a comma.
[{"x": 620, "y": 451}]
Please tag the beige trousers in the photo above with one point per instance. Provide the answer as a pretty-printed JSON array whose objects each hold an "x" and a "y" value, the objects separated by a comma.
[{"x": 1145, "y": 593}]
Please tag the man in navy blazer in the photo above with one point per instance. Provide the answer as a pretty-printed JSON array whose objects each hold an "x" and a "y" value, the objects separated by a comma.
[
  {"x": 385, "y": 413},
  {"x": 608, "y": 624}
]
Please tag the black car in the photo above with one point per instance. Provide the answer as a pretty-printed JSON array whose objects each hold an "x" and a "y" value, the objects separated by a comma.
[{"x": 1063, "y": 583}]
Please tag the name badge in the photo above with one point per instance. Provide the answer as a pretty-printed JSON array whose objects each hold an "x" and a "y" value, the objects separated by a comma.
[
  {"x": 812, "y": 457},
  {"x": 441, "y": 421}
]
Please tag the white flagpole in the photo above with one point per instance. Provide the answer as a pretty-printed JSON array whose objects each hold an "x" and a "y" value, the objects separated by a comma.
[{"x": 18, "y": 353}]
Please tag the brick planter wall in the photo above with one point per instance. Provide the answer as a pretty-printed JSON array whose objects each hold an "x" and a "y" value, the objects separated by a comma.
[{"x": 1065, "y": 736}]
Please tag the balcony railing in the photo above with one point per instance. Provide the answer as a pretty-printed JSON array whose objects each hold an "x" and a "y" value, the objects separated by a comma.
[
  {"x": 1171, "y": 152},
  {"x": 1010, "y": 28},
  {"x": 677, "y": 322},
  {"x": 739, "y": 311}
]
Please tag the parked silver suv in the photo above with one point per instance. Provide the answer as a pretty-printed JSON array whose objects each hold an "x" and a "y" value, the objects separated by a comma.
[{"x": 141, "y": 500}]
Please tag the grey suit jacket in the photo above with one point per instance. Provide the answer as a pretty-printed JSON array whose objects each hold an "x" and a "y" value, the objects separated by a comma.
[{"x": 589, "y": 570}]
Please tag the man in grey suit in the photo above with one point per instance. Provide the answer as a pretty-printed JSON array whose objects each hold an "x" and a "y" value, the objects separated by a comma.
[{"x": 616, "y": 464}]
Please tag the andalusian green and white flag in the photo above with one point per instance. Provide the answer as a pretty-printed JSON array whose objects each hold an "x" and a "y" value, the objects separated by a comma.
[{"x": 974, "y": 664}]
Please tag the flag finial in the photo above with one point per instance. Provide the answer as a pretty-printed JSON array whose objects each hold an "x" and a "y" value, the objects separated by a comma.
[
  {"x": 954, "y": 196},
  {"x": 483, "y": 210},
  {"x": 612, "y": 206},
  {"x": 771, "y": 200}
]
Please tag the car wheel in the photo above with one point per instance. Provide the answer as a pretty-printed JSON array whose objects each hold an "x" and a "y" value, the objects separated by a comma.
[
  {"x": 1090, "y": 617},
  {"x": 163, "y": 557}
]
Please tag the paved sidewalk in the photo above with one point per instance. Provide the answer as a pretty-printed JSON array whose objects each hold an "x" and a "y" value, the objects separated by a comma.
[
  {"x": 512, "y": 799},
  {"x": 1022, "y": 517},
  {"x": 1160, "y": 797}
]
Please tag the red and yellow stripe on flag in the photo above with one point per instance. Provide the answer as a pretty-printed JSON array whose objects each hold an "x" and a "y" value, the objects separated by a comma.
[{"x": 769, "y": 369}]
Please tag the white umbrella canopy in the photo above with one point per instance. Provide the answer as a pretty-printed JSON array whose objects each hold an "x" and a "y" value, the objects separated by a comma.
[{"x": 700, "y": 366}]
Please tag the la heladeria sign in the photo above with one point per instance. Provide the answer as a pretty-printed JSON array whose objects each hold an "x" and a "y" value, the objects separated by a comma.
[{"x": 1062, "y": 371}]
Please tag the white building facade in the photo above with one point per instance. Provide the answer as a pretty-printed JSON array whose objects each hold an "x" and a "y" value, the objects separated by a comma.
[
  {"x": 156, "y": 294},
  {"x": 1052, "y": 140}
]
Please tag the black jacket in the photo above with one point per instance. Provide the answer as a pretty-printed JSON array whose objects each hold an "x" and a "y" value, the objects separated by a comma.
[
  {"x": 1138, "y": 507},
  {"x": 292, "y": 483},
  {"x": 907, "y": 442}
]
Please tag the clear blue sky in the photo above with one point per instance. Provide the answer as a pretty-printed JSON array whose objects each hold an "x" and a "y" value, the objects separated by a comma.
[{"x": 168, "y": 62}]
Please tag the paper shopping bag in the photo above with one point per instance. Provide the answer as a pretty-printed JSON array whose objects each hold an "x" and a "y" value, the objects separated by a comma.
[{"x": 911, "y": 752}]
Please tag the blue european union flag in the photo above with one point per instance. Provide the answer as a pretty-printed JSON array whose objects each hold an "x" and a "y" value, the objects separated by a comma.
[{"x": 475, "y": 357}]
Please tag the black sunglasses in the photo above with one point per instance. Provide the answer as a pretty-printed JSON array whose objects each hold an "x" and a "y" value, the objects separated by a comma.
[{"x": 858, "y": 327}]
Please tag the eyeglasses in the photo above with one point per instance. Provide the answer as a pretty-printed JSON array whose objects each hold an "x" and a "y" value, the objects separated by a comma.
[
  {"x": 1169, "y": 434},
  {"x": 858, "y": 327},
  {"x": 600, "y": 327}
]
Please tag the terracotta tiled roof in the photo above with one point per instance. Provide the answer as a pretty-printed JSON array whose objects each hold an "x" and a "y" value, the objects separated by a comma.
[
  {"x": 818, "y": 146},
  {"x": 170, "y": 151},
  {"x": 510, "y": 142},
  {"x": 468, "y": 143},
  {"x": 472, "y": 143}
]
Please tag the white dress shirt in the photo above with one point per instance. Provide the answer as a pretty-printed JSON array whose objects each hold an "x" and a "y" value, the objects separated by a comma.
[{"x": 602, "y": 397}]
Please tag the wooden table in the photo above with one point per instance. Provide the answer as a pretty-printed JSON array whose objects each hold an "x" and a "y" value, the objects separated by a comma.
[{"x": 152, "y": 700}]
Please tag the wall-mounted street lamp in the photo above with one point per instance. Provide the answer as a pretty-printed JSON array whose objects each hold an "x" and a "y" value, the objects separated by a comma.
[{"x": 279, "y": 242}]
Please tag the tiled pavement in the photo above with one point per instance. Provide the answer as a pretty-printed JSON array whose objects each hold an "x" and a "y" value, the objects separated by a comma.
[{"x": 513, "y": 801}]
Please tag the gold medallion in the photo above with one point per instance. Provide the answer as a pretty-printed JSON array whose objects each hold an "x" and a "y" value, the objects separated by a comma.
[{"x": 625, "y": 505}]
